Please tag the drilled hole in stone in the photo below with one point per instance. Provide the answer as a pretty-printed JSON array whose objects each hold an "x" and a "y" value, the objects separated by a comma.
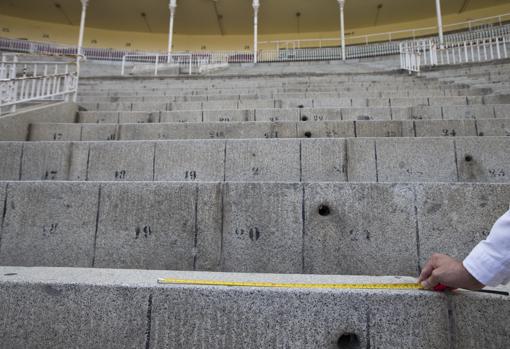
[
  {"x": 324, "y": 210},
  {"x": 10, "y": 274},
  {"x": 481, "y": 134},
  {"x": 304, "y": 118},
  {"x": 308, "y": 134},
  {"x": 468, "y": 158},
  {"x": 348, "y": 341},
  {"x": 300, "y": 106}
]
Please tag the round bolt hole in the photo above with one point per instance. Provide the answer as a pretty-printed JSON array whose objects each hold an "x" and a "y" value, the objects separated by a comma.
[
  {"x": 10, "y": 274},
  {"x": 324, "y": 210},
  {"x": 348, "y": 341},
  {"x": 481, "y": 134},
  {"x": 300, "y": 106},
  {"x": 304, "y": 118},
  {"x": 468, "y": 158},
  {"x": 308, "y": 134}
]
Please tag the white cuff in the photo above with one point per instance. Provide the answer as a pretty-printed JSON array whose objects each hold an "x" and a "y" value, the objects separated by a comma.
[{"x": 482, "y": 265}]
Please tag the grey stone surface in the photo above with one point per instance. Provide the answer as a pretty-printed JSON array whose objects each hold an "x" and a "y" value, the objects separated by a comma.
[
  {"x": 362, "y": 166},
  {"x": 321, "y": 114},
  {"x": 138, "y": 117},
  {"x": 14, "y": 127},
  {"x": 275, "y": 115},
  {"x": 262, "y": 160},
  {"x": 98, "y": 117},
  {"x": 497, "y": 127},
  {"x": 184, "y": 316},
  {"x": 426, "y": 113},
  {"x": 382, "y": 129},
  {"x": 46, "y": 161},
  {"x": 228, "y": 115},
  {"x": 101, "y": 132},
  {"x": 182, "y": 116},
  {"x": 256, "y": 104},
  {"x": 72, "y": 315},
  {"x": 447, "y": 101},
  {"x": 324, "y": 160},
  {"x": 121, "y": 161},
  {"x": 326, "y": 129},
  {"x": 454, "y": 218},
  {"x": 445, "y": 128},
  {"x": 185, "y": 106},
  {"x": 147, "y": 226},
  {"x": 490, "y": 327},
  {"x": 416, "y": 160},
  {"x": 147, "y": 106},
  {"x": 367, "y": 227},
  {"x": 468, "y": 112},
  {"x": 10, "y": 153},
  {"x": 409, "y": 102},
  {"x": 259, "y": 222},
  {"x": 49, "y": 224},
  {"x": 483, "y": 159},
  {"x": 190, "y": 161},
  {"x": 338, "y": 102},
  {"x": 355, "y": 114},
  {"x": 54, "y": 132},
  {"x": 502, "y": 111}
]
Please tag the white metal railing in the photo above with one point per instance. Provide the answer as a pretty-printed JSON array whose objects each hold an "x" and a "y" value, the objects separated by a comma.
[
  {"x": 22, "y": 82},
  {"x": 416, "y": 54},
  {"x": 470, "y": 25},
  {"x": 189, "y": 62},
  {"x": 370, "y": 45}
]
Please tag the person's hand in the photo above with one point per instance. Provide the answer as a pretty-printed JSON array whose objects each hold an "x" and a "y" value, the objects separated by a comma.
[{"x": 444, "y": 270}]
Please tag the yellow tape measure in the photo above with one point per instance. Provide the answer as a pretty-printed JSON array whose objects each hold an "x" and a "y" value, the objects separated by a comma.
[{"x": 389, "y": 286}]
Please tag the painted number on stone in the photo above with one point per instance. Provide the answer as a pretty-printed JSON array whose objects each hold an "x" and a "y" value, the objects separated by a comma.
[
  {"x": 359, "y": 235},
  {"x": 224, "y": 119},
  {"x": 144, "y": 232},
  {"x": 50, "y": 175},
  {"x": 449, "y": 133},
  {"x": 497, "y": 173},
  {"x": 255, "y": 171},
  {"x": 318, "y": 118},
  {"x": 218, "y": 134},
  {"x": 57, "y": 136},
  {"x": 48, "y": 230},
  {"x": 252, "y": 233},
  {"x": 120, "y": 174},
  {"x": 190, "y": 175},
  {"x": 272, "y": 134}
]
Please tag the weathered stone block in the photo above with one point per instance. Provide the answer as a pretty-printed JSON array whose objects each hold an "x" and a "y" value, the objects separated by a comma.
[
  {"x": 54, "y": 132},
  {"x": 483, "y": 159},
  {"x": 445, "y": 128},
  {"x": 416, "y": 160},
  {"x": 46, "y": 161},
  {"x": 121, "y": 161},
  {"x": 190, "y": 161},
  {"x": 10, "y": 153},
  {"x": 454, "y": 218},
  {"x": 260, "y": 222},
  {"x": 499, "y": 127},
  {"x": 181, "y": 116},
  {"x": 262, "y": 160},
  {"x": 104, "y": 132},
  {"x": 359, "y": 229},
  {"x": 228, "y": 115},
  {"x": 324, "y": 160},
  {"x": 326, "y": 129},
  {"x": 49, "y": 224}
]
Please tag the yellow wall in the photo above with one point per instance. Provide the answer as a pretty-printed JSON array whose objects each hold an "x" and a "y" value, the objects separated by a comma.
[{"x": 13, "y": 27}]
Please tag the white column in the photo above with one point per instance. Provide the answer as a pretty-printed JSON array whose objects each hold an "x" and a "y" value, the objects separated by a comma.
[
  {"x": 172, "y": 6},
  {"x": 256, "y": 5},
  {"x": 84, "y": 4},
  {"x": 341, "y": 3},
  {"x": 439, "y": 23}
]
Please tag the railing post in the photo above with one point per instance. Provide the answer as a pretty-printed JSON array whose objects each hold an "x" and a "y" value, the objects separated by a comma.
[
  {"x": 439, "y": 23},
  {"x": 256, "y": 5},
  {"x": 172, "y": 6},
  {"x": 156, "y": 65},
  {"x": 341, "y": 3},
  {"x": 84, "y": 4},
  {"x": 123, "y": 69}
]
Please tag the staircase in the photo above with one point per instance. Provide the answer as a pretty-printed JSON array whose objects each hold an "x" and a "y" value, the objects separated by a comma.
[{"x": 311, "y": 178}]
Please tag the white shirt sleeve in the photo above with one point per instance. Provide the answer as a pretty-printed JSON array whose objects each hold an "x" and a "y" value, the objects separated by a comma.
[{"x": 489, "y": 262}]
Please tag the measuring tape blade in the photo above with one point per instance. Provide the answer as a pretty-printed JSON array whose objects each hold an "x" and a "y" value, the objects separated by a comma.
[{"x": 367, "y": 286}]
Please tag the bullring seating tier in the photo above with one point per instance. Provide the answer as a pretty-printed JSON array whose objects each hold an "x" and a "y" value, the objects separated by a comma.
[{"x": 318, "y": 178}]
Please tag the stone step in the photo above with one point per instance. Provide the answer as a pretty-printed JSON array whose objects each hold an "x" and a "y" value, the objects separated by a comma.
[
  {"x": 319, "y": 228},
  {"x": 468, "y": 112},
  {"x": 300, "y": 103},
  {"x": 286, "y": 129},
  {"x": 92, "y": 308},
  {"x": 261, "y": 94},
  {"x": 464, "y": 159}
]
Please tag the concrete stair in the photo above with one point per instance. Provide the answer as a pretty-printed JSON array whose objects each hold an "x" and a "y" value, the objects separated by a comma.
[{"x": 319, "y": 178}]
